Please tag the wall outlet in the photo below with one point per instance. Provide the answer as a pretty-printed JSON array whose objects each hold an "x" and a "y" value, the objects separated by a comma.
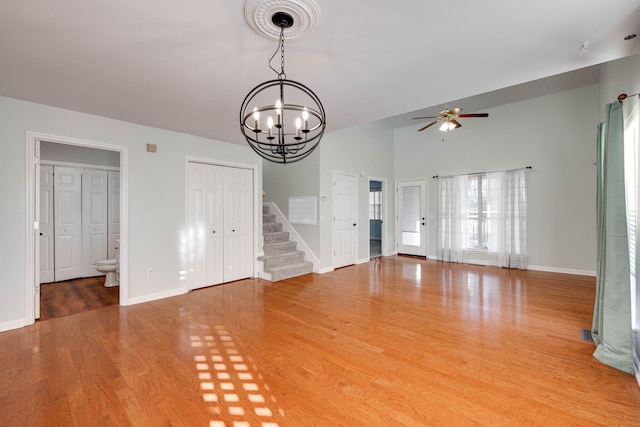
[{"x": 149, "y": 272}]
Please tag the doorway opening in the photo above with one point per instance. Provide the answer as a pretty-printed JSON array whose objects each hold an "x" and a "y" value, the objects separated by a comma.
[
  {"x": 376, "y": 217},
  {"x": 68, "y": 293}
]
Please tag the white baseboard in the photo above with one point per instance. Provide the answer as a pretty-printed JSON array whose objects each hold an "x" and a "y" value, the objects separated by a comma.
[
  {"x": 263, "y": 275},
  {"x": 326, "y": 270},
  {"x": 636, "y": 366},
  {"x": 362, "y": 260},
  {"x": 561, "y": 270},
  {"x": 14, "y": 324},
  {"x": 157, "y": 296},
  {"x": 537, "y": 268}
]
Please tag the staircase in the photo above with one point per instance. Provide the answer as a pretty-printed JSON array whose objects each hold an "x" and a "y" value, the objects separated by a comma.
[{"x": 281, "y": 258}]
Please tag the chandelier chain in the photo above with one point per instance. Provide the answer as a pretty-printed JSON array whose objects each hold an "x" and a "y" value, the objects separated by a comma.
[{"x": 281, "y": 75}]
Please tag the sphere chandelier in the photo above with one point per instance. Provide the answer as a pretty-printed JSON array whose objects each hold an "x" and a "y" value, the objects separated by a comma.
[{"x": 281, "y": 119}]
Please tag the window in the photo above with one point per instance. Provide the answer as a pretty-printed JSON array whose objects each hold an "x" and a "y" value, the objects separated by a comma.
[
  {"x": 375, "y": 204},
  {"x": 477, "y": 215},
  {"x": 484, "y": 213}
]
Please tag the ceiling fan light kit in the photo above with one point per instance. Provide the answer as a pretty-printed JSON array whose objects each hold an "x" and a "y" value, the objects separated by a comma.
[
  {"x": 281, "y": 119},
  {"x": 448, "y": 119}
]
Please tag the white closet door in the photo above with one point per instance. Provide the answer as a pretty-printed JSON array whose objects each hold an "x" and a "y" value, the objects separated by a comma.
[
  {"x": 205, "y": 230},
  {"x": 94, "y": 221},
  {"x": 68, "y": 223},
  {"x": 215, "y": 229},
  {"x": 238, "y": 220},
  {"x": 113, "y": 215},
  {"x": 344, "y": 220},
  {"x": 219, "y": 224},
  {"x": 46, "y": 225},
  {"x": 196, "y": 225}
]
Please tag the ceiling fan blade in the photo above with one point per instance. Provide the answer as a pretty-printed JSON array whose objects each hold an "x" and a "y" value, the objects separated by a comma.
[
  {"x": 428, "y": 117},
  {"x": 474, "y": 115},
  {"x": 430, "y": 124},
  {"x": 455, "y": 123},
  {"x": 454, "y": 111}
]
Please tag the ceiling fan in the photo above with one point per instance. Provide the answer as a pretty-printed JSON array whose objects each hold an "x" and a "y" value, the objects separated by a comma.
[{"x": 448, "y": 119}]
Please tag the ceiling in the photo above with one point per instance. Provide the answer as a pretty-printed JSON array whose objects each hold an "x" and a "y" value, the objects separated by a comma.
[{"x": 186, "y": 66}]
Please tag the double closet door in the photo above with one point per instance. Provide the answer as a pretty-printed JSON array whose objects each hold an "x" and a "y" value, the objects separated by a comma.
[
  {"x": 79, "y": 221},
  {"x": 220, "y": 224}
]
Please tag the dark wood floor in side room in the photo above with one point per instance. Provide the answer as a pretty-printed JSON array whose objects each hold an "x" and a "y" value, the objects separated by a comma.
[
  {"x": 75, "y": 296},
  {"x": 397, "y": 341}
]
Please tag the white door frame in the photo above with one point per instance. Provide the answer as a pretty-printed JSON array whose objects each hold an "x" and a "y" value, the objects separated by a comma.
[
  {"x": 385, "y": 218},
  {"x": 32, "y": 195},
  {"x": 257, "y": 208}
]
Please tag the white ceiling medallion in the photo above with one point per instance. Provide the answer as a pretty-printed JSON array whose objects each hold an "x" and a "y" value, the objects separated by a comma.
[{"x": 305, "y": 13}]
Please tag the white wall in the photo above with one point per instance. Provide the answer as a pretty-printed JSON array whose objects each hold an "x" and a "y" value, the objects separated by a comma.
[
  {"x": 281, "y": 181},
  {"x": 616, "y": 77},
  {"x": 361, "y": 149},
  {"x": 366, "y": 151},
  {"x": 623, "y": 76},
  {"x": 156, "y": 195},
  {"x": 555, "y": 134},
  {"x": 75, "y": 154}
]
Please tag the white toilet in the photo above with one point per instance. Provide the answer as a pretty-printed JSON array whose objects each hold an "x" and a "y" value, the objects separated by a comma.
[
  {"x": 108, "y": 266},
  {"x": 111, "y": 267}
]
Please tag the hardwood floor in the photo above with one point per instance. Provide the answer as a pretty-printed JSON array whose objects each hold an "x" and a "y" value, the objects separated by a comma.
[
  {"x": 75, "y": 296},
  {"x": 397, "y": 341}
]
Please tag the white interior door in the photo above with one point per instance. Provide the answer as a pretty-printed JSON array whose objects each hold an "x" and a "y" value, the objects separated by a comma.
[
  {"x": 238, "y": 224},
  {"x": 113, "y": 214},
  {"x": 412, "y": 229},
  {"x": 94, "y": 221},
  {"x": 67, "y": 223},
  {"x": 46, "y": 225},
  {"x": 345, "y": 223}
]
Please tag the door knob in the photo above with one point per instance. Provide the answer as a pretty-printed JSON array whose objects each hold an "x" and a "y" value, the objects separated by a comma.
[
  {"x": 41, "y": 234},
  {"x": 354, "y": 224},
  {"x": 214, "y": 231}
]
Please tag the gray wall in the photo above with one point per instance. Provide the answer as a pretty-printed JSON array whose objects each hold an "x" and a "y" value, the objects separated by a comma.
[
  {"x": 555, "y": 134},
  {"x": 156, "y": 196}
]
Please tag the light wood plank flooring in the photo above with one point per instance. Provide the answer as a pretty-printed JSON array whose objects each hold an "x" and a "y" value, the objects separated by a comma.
[{"x": 399, "y": 341}]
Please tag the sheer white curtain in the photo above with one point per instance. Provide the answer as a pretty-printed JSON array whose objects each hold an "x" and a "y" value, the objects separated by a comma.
[
  {"x": 631, "y": 119},
  {"x": 507, "y": 213},
  {"x": 452, "y": 218},
  {"x": 504, "y": 221}
]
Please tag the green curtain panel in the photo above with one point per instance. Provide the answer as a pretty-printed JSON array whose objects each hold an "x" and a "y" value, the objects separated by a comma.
[{"x": 611, "y": 328}]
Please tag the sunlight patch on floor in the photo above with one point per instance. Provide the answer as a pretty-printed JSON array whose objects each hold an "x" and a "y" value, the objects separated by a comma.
[{"x": 230, "y": 382}]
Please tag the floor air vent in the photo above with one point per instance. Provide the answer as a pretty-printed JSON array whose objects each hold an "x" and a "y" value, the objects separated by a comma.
[{"x": 585, "y": 335}]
